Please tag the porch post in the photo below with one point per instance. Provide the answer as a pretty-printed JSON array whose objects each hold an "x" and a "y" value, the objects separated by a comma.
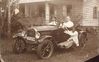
[
  {"x": 47, "y": 13},
  {"x": 64, "y": 11},
  {"x": 98, "y": 16},
  {"x": 26, "y": 10},
  {"x": 84, "y": 15}
]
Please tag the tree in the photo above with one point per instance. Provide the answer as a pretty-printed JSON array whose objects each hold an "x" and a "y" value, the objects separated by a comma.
[
  {"x": 11, "y": 4},
  {"x": 5, "y": 17}
]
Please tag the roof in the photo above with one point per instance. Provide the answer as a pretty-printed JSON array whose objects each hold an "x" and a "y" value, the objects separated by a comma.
[
  {"x": 31, "y": 1},
  {"x": 50, "y": 1}
]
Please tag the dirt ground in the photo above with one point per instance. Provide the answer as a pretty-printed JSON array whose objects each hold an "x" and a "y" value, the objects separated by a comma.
[{"x": 70, "y": 55}]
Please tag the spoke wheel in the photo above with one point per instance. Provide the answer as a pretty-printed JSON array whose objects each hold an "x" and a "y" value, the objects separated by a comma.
[
  {"x": 45, "y": 49},
  {"x": 82, "y": 40},
  {"x": 19, "y": 45}
]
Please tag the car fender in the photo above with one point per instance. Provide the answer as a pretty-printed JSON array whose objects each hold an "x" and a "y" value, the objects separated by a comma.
[
  {"x": 44, "y": 37},
  {"x": 19, "y": 35},
  {"x": 16, "y": 36}
]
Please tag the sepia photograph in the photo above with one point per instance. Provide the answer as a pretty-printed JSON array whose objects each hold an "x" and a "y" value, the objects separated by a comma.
[{"x": 49, "y": 30}]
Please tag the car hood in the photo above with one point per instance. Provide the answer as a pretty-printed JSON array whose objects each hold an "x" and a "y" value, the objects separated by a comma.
[{"x": 45, "y": 28}]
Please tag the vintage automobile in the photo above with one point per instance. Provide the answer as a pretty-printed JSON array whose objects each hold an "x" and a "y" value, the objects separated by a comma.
[{"x": 44, "y": 39}]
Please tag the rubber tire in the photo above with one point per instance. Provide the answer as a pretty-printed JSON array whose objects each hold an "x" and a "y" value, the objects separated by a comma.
[
  {"x": 39, "y": 48},
  {"x": 17, "y": 44},
  {"x": 82, "y": 41}
]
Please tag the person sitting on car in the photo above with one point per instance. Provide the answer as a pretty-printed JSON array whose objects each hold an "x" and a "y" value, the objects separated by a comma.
[
  {"x": 68, "y": 23},
  {"x": 53, "y": 22},
  {"x": 68, "y": 26}
]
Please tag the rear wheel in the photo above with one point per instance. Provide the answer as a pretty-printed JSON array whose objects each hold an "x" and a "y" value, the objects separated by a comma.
[
  {"x": 19, "y": 46},
  {"x": 45, "y": 49},
  {"x": 82, "y": 40}
]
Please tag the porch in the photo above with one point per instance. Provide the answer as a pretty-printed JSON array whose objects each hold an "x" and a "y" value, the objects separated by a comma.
[
  {"x": 44, "y": 11},
  {"x": 83, "y": 12}
]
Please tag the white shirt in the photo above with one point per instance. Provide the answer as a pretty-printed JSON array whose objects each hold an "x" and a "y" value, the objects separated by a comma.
[
  {"x": 71, "y": 33},
  {"x": 74, "y": 36},
  {"x": 68, "y": 24},
  {"x": 53, "y": 23}
]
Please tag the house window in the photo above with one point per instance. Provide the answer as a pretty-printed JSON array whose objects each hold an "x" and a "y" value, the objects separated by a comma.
[{"x": 95, "y": 12}]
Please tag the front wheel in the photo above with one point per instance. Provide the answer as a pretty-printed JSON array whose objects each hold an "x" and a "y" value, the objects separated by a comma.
[
  {"x": 19, "y": 45},
  {"x": 45, "y": 49}
]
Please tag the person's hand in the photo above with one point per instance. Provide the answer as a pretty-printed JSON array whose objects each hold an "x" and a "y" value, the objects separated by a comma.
[
  {"x": 66, "y": 29},
  {"x": 73, "y": 29}
]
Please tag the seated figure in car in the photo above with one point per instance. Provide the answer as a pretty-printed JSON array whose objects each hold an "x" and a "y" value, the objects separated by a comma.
[
  {"x": 53, "y": 22},
  {"x": 68, "y": 26}
]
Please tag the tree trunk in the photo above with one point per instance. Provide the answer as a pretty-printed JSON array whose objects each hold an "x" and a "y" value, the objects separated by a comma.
[{"x": 9, "y": 20}]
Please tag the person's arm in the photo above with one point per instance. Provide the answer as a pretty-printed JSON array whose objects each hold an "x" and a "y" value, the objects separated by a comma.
[
  {"x": 63, "y": 25},
  {"x": 71, "y": 33}
]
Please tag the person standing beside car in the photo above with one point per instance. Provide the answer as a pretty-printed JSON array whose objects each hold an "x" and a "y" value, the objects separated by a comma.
[{"x": 15, "y": 24}]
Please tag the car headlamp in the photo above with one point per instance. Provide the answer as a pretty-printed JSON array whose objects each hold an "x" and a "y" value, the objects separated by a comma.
[
  {"x": 37, "y": 34},
  {"x": 19, "y": 34}
]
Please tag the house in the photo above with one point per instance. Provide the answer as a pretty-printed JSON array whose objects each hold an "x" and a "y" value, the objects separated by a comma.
[{"x": 85, "y": 12}]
